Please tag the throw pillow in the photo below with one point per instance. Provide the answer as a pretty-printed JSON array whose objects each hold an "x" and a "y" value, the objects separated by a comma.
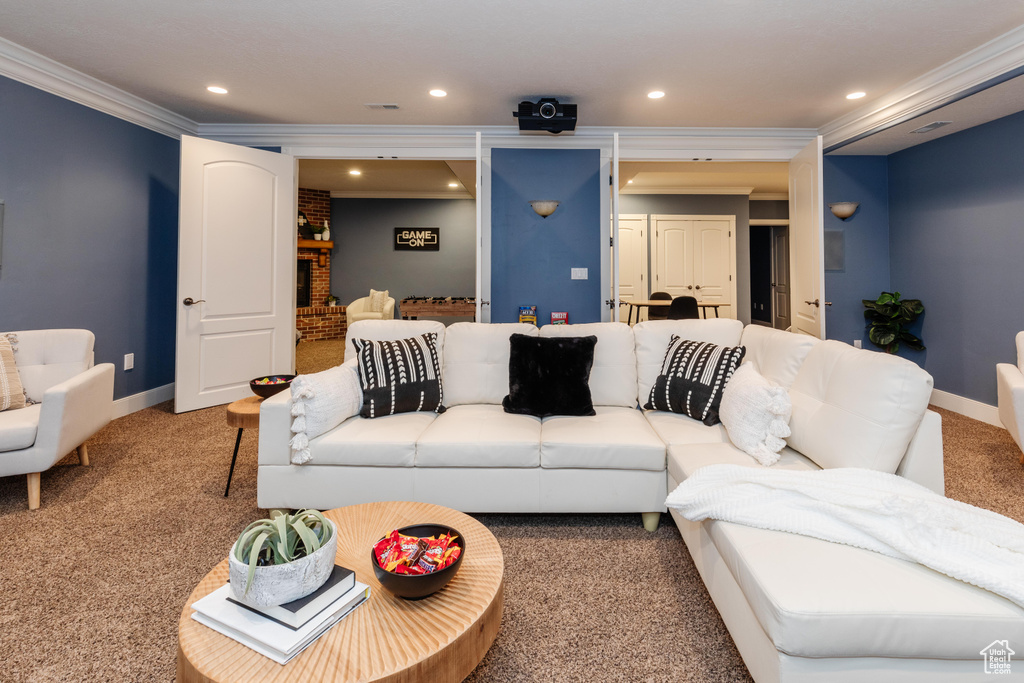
[
  {"x": 12, "y": 394},
  {"x": 320, "y": 402},
  {"x": 401, "y": 376},
  {"x": 377, "y": 301},
  {"x": 692, "y": 378},
  {"x": 549, "y": 375},
  {"x": 755, "y": 413}
]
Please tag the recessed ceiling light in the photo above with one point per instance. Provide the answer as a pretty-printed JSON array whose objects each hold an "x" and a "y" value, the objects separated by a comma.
[
  {"x": 855, "y": 95},
  {"x": 217, "y": 89},
  {"x": 655, "y": 94},
  {"x": 453, "y": 184},
  {"x": 438, "y": 93},
  {"x": 628, "y": 182},
  {"x": 353, "y": 172}
]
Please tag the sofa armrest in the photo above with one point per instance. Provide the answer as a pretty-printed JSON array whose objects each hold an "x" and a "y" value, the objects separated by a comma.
[
  {"x": 922, "y": 462},
  {"x": 276, "y": 429},
  {"x": 1010, "y": 393},
  {"x": 389, "y": 310},
  {"x": 74, "y": 410}
]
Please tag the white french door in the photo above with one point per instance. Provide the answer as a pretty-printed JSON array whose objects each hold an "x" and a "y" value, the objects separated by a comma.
[
  {"x": 696, "y": 256},
  {"x": 632, "y": 243},
  {"x": 236, "y": 271}
]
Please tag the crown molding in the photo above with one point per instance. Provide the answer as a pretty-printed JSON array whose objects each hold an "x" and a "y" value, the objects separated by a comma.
[
  {"x": 755, "y": 222},
  {"x": 769, "y": 196},
  {"x": 397, "y": 194},
  {"x": 992, "y": 63},
  {"x": 32, "y": 68},
  {"x": 687, "y": 190}
]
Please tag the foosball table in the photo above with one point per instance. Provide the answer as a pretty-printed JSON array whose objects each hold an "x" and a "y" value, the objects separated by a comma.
[{"x": 414, "y": 306}]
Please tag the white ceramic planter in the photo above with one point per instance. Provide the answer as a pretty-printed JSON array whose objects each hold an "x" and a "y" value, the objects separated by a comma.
[{"x": 281, "y": 583}]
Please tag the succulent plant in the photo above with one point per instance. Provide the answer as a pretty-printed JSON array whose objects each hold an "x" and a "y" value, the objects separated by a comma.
[{"x": 281, "y": 539}]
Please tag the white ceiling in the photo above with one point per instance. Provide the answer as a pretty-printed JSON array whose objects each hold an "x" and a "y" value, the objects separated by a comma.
[
  {"x": 696, "y": 177},
  {"x": 389, "y": 178},
  {"x": 741, "y": 63}
]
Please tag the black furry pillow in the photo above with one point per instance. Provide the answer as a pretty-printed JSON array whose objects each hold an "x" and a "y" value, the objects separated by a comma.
[{"x": 550, "y": 375}]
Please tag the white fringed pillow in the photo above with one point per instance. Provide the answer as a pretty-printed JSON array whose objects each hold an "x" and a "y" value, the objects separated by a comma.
[
  {"x": 755, "y": 413},
  {"x": 321, "y": 402},
  {"x": 377, "y": 301}
]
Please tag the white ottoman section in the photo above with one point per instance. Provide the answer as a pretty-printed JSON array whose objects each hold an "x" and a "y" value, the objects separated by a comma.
[
  {"x": 673, "y": 428},
  {"x": 480, "y": 436},
  {"x": 615, "y": 438},
  {"x": 388, "y": 441},
  {"x": 685, "y": 460}
]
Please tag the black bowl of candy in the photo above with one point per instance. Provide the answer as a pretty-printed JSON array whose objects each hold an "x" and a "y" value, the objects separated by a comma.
[
  {"x": 267, "y": 386},
  {"x": 416, "y": 561}
]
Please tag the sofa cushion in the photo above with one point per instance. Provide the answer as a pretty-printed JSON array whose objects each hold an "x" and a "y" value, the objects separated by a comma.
[
  {"x": 613, "y": 377},
  {"x": 693, "y": 377},
  {"x": 673, "y": 428},
  {"x": 549, "y": 376},
  {"x": 48, "y": 357},
  {"x": 615, "y": 438},
  {"x": 400, "y": 376},
  {"x": 776, "y": 354},
  {"x": 476, "y": 361},
  {"x": 388, "y": 441},
  {"x": 389, "y": 330},
  {"x": 480, "y": 436},
  {"x": 856, "y": 408},
  {"x": 814, "y": 598},
  {"x": 652, "y": 339},
  {"x": 18, "y": 427},
  {"x": 685, "y": 459}
]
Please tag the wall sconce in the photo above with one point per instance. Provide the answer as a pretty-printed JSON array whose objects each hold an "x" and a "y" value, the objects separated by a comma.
[
  {"x": 843, "y": 210},
  {"x": 544, "y": 207}
]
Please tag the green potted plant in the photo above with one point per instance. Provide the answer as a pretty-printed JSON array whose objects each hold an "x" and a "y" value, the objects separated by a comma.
[
  {"x": 318, "y": 230},
  {"x": 283, "y": 558},
  {"x": 332, "y": 300},
  {"x": 889, "y": 318}
]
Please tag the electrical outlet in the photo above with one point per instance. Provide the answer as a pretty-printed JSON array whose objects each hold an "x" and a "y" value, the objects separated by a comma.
[
  {"x": 129, "y": 361},
  {"x": 579, "y": 274},
  {"x": 856, "y": 343}
]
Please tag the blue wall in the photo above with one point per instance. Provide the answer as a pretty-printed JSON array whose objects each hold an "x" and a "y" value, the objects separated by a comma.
[
  {"x": 531, "y": 257},
  {"x": 364, "y": 254},
  {"x": 865, "y": 273},
  {"x": 90, "y": 230},
  {"x": 957, "y": 243}
]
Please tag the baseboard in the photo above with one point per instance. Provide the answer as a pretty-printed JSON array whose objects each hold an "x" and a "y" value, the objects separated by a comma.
[
  {"x": 135, "y": 402},
  {"x": 967, "y": 407}
]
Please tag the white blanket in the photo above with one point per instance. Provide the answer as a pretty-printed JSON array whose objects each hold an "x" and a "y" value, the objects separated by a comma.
[{"x": 866, "y": 509}]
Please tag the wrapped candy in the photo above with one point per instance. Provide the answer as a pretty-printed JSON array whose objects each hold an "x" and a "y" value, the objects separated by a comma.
[{"x": 403, "y": 554}]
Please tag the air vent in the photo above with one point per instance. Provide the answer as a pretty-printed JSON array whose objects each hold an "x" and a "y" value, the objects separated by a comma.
[
  {"x": 389, "y": 107},
  {"x": 931, "y": 126}
]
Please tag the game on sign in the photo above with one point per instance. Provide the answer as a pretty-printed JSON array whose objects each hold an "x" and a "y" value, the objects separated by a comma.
[{"x": 417, "y": 239}]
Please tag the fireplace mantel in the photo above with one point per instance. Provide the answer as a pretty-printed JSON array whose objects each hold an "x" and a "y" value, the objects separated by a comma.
[{"x": 324, "y": 246}]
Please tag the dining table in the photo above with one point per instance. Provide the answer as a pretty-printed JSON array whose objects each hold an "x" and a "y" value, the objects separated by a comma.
[{"x": 639, "y": 304}]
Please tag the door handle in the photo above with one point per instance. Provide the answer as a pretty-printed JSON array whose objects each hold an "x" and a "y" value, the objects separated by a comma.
[
  {"x": 188, "y": 301},
  {"x": 813, "y": 303},
  {"x": 689, "y": 286},
  {"x": 828, "y": 303},
  {"x": 698, "y": 286}
]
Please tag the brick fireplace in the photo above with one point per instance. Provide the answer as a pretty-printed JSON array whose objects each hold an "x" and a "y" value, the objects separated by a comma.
[{"x": 318, "y": 321}]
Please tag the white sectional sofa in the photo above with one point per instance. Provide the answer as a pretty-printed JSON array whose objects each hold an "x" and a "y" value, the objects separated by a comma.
[{"x": 799, "y": 609}]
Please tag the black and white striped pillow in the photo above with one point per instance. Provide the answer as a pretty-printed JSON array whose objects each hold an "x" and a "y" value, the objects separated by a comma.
[
  {"x": 401, "y": 376},
  {"x": 693, "y": 377}
]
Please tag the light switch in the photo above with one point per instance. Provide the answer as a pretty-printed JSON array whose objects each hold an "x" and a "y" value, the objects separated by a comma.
[{"x": 579, "y": 273}]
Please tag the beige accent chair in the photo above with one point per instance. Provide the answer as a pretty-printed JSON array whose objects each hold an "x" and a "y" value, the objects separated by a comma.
[
  {"x": 75, "y": 400},
  {"x": 1010, "y": 396},
  {"x": 357, "y": 310}
]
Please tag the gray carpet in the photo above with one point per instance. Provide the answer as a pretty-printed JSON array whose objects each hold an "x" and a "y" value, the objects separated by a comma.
[{"x": 94, "y": 581}]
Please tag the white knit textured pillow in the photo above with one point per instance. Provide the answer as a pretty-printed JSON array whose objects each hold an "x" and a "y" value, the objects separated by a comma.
[
  {"x": 755, "y": 413},
  {"x": 377, "y": 301},
  {"x": 321, "y": 402}
]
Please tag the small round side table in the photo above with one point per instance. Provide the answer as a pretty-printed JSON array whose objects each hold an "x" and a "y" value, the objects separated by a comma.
[{"x": 244, "y": 414}]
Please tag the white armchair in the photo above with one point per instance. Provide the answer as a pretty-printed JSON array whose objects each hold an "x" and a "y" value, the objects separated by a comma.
[
  {"x": 75, "y": 400},
  {"x": 1010, "y": 387},
  {"x": 357, "y": 310}
]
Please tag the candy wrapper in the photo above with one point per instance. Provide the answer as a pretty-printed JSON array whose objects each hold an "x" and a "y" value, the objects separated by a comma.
[{"x": 403, "y": 554}]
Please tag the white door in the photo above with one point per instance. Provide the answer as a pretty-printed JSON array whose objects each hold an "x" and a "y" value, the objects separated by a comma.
[
  {"x": 632, "y": 260},
  {"x": 807, "y": 256},
  {"x": 673, "y": 257},
  {"x": 780, "y": 278},
  {"x": 236, "y": 262},
  {"x": 713, "y": 261}
]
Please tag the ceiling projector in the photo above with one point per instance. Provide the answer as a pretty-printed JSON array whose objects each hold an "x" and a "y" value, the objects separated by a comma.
[{"x": 546, "y": 115}]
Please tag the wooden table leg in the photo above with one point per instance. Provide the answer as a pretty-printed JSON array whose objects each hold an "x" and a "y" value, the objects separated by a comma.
[
  {"x": 629, "y": 316},
  {"x": 238, "y": 440},
  {"x": 716, "y": 311}
]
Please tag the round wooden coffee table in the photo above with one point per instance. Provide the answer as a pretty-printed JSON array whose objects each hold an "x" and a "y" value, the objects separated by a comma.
[{"x": 440, "y": 638}]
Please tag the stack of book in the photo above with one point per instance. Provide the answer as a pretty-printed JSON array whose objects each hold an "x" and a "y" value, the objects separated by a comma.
[{"x": 283, "y": 631}]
